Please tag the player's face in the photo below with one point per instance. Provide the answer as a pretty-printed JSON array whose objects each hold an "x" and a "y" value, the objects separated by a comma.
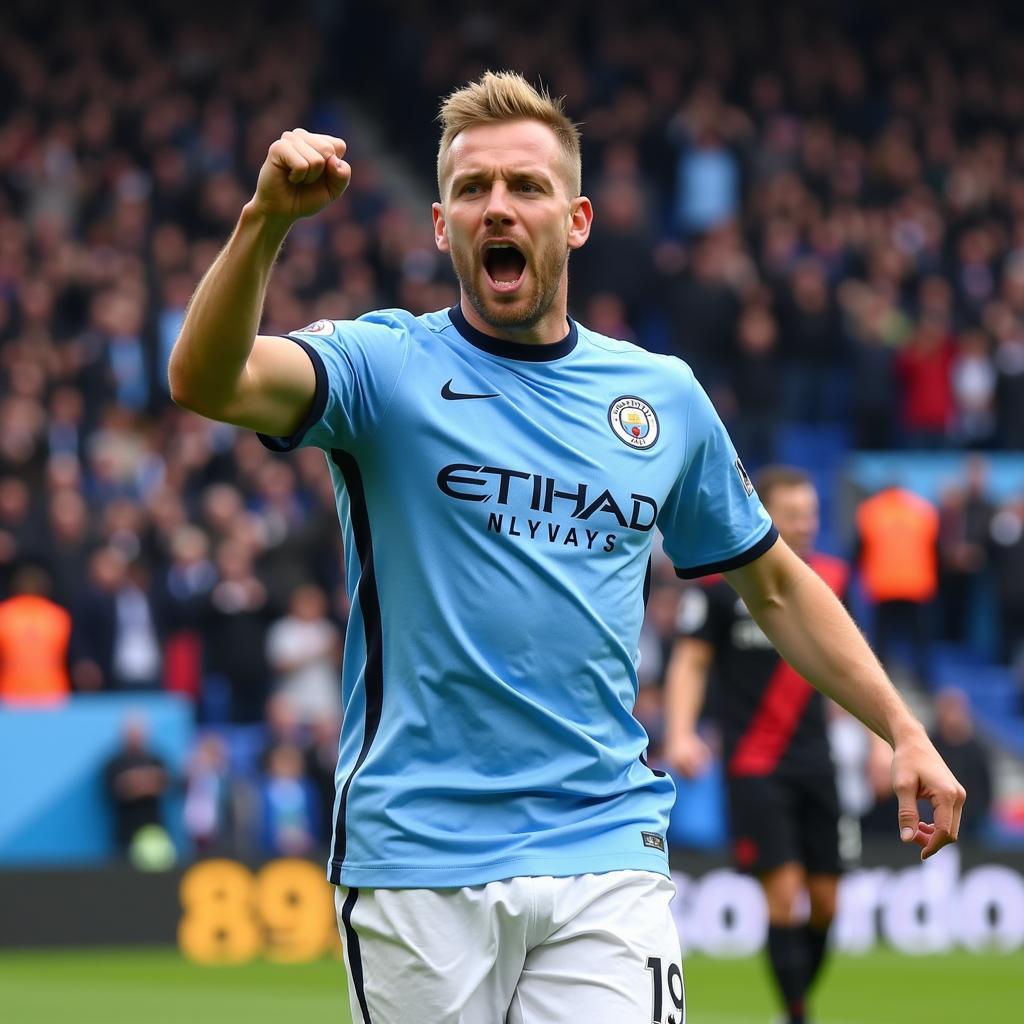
[
  {"x": 795, "y": 512},
  {"x": 509, "y": 218}
]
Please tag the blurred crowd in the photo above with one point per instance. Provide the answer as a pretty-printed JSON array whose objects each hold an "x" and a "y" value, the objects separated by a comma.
[
  {"x": 821, "y": 208},
  {"x": 822, "y": 212}
]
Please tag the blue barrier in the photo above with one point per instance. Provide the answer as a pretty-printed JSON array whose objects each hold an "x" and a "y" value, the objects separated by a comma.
[{"x": 53, "y": 805}]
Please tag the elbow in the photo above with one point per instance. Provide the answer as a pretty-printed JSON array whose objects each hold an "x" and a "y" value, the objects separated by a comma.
[
  {"x": 178, "y": 392},
  {"x": 177, "y": 380},
  {"x": 182, "y": 389},
  {"x": 181, "y": 396}
]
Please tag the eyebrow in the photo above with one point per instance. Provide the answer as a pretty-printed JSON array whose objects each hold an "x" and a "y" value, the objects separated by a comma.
[{"x": 521, "y": 172}]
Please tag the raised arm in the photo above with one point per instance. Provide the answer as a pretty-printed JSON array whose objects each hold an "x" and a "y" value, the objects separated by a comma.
[
  {"x": 813, "y": 632},
  {"x": 685, "y": 685},
  {"x": 219, "y": 366}
]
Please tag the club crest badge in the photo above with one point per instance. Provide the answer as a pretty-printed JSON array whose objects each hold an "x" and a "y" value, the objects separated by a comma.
[{"x": 633, "y": 422}]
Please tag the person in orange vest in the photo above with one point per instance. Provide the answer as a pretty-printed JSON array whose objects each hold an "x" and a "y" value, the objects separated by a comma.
[
  {"x": 898, "y": 534},
  {"x": 34, "y": 635}
]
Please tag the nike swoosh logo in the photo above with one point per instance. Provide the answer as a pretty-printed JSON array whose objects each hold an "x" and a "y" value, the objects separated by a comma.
[{"x": 458, "y": 396}]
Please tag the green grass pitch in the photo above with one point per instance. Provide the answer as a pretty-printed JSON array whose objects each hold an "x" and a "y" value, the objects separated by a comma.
[{"x": 159, "y": 987}]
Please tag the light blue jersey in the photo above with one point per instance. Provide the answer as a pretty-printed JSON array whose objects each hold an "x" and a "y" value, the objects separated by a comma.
[{"x": 498, "y": 503}]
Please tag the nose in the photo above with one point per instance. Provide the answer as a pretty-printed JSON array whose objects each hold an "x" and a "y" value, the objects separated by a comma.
[{"x": 499, "y": 207}]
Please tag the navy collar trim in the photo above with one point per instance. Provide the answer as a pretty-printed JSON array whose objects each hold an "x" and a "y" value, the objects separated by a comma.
[{"x": 513, "y": 349}]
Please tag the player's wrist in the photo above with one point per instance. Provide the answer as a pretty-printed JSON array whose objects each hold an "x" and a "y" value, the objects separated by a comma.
[
  {"x": 274, "y": 224},
  {"x": 906, "y": 731}
]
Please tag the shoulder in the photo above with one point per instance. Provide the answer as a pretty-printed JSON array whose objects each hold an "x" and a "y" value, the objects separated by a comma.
[
  {"x": 633, "y": 355},
  {"x": 374, "y": 326}
]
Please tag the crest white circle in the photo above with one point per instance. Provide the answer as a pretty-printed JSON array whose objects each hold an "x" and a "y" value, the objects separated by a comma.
[{"x": 634, "y": 422}]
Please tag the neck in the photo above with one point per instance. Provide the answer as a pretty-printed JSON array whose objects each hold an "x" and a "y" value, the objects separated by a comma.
[{"x": 553, "y": 326}]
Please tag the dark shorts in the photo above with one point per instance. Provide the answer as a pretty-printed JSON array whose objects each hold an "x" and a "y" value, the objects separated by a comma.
[{"x": 781, "y": 818}]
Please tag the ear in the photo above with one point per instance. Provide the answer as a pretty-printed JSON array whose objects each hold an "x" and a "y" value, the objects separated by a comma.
[
  {"x": 581, "y": 216},
  {"x": 440, "y": 228}
]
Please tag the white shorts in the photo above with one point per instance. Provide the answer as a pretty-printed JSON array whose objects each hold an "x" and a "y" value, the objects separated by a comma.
[{"x": 597, "y": 948}]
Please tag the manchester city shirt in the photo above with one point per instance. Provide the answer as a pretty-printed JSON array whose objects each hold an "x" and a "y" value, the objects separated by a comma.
[{"x": 498, "y": 503}]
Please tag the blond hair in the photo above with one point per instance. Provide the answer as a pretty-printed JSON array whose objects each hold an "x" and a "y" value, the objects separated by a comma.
[{"x": 507, "y": 96}]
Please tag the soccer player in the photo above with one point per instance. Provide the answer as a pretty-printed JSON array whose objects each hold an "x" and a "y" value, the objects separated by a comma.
[
  {"x": 781, "y": 783},
  {"x": 499, "y": 840}
]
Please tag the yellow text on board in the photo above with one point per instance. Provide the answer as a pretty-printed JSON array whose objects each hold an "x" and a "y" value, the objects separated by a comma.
[{"x": 230, "y": 914}]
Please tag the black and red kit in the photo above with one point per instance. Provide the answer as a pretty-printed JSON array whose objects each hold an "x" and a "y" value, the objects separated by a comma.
[{"x": 781, "y": 781}]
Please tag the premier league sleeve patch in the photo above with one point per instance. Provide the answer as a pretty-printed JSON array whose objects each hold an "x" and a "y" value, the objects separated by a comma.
[
  {"x": 744, "y": 477},
  {"x": 317, "y": 327},
  {"x": 633, "y": 422}
]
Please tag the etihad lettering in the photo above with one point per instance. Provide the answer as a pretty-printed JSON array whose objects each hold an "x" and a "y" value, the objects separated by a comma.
[{"x": 545, "y": 494}]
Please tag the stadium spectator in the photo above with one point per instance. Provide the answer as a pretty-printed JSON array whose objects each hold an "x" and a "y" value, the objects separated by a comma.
[
  {"x": 182, "y": 597},
  {"x": 965, "y": 516},
  {"x": 136, "y": 779},
  {"x": 207, "y": 808},
  {"x": 1007, "y": 546},
  {"x": 237, "y": 618},
  {"x": 925, "y": 368},
  {"x": 67, "y": 555},
  {"x": 954, "y": 737},
  {"x": 34, "y": 636},
  {"x": 812, "y": 347},
  {"x": 115, "y": 643},
  {"x": 321, "y": 764},
  {"x": 897, "y": 534},
  {"x": 755, "y": 383},
  {"x": 304, "y": 654},
  {"x": 288, "y": 804}
]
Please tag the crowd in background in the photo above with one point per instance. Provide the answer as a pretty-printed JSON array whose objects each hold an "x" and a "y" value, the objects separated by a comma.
[{"x": 824, "y": 214}]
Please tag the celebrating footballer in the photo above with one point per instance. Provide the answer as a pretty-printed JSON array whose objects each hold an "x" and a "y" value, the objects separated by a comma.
[{"x": 499, "y": 840}]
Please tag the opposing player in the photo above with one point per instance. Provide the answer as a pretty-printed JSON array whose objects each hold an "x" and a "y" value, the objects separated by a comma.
[
  {"x": 781, "y": 783},
  {"x": 499, "y": 841}
]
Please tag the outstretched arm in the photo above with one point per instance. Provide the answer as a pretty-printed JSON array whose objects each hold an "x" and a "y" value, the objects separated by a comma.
[
  {"x": 813, "y": 632},
  {"x": 219, "y": 367}
]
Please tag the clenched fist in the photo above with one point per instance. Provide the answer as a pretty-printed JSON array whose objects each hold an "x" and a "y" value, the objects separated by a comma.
[{"x": 302, "y": 174}]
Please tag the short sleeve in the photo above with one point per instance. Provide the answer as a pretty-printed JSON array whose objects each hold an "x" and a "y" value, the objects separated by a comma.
[
  {"x": 713, "y": 520},
  {"x": 357, "y": 364}
]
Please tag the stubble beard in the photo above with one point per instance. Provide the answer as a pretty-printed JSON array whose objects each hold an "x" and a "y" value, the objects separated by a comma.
[{"x": 546, "y": 274}]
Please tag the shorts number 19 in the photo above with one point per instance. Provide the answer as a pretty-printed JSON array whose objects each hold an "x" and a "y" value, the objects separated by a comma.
[{"x": 675, "y": 991}]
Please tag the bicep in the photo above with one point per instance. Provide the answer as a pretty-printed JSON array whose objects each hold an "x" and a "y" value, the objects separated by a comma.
[
  {"x": 762, "y": 581},
  {"x": 275, "y": 392}
]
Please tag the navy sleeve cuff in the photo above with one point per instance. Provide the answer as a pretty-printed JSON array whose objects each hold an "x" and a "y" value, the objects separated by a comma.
[
  {"x": 736, "y": 562},
  {"x": 316, "y": 411}
]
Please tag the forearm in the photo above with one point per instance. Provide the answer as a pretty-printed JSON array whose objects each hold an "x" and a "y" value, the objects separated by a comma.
[
  {"x": 685, "y": 686},
  {"x": 814, "y": 633},
  {"x": 223, "y": 317}
]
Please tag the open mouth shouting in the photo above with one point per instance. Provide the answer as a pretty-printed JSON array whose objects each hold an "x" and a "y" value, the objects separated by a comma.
[{"x": 504, "y": 264}]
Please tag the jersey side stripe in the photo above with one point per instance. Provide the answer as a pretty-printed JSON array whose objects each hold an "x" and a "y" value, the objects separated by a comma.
[{"x": 373, "y": 673}]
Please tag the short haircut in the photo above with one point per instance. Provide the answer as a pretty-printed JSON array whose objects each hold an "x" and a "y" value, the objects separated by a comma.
[
  {"x": 507, "y": 96},
  {"x": 770, "y": 478}
]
